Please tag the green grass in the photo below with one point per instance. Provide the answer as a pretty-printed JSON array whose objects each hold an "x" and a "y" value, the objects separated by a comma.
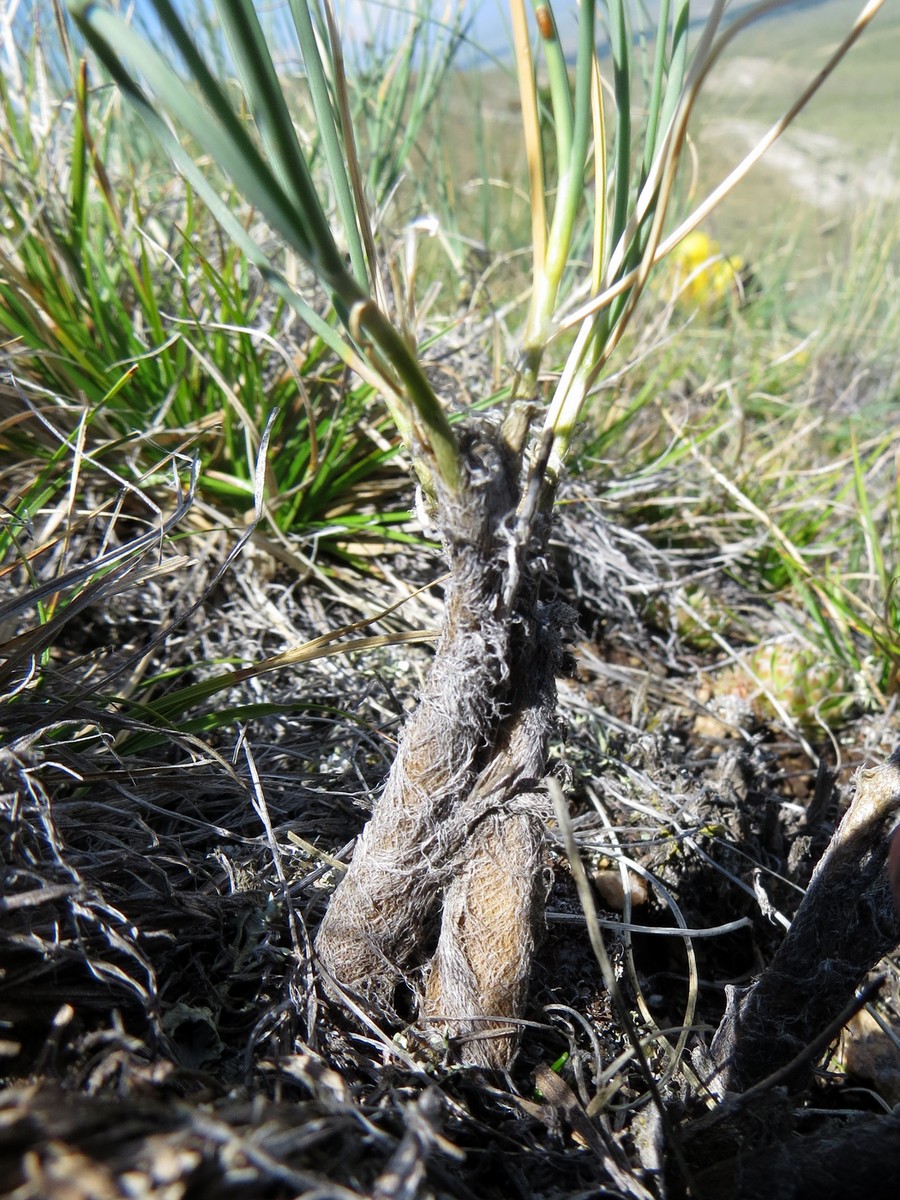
[{"x": 118, "y": 288}]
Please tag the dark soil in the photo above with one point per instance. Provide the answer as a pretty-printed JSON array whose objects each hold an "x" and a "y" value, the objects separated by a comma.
[{"x": 163, "y": 1031}]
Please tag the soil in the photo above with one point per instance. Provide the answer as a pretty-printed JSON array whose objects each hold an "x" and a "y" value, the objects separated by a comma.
[{"x": 163, "y": 1032}]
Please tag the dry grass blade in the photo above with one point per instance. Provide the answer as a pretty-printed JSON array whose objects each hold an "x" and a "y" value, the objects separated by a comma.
[
  {"x": 606, "y": 968},
  {"x": 845, "y": 924},
  {"x": 22, "y": 652},
  {"x": 658, "y": 248}
]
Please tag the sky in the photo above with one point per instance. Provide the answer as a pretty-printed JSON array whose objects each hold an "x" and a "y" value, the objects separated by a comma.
[
  {"x": 489, "y": 19},
  {"x": 383, "y": 21}
]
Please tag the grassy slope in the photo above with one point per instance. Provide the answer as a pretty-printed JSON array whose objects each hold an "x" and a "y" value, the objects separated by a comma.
[
  {"x": 837, "y": 157},
  {"x": 840, "y": 146}
]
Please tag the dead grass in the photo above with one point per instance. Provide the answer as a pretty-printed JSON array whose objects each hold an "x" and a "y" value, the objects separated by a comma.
[
  {"x": 165, "y": 1027},
  {"x": 161, "y": 895}
]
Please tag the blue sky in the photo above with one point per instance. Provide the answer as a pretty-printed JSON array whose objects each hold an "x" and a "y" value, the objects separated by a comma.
[
  {"x": 489, "y": 19},
  {"x": 384, "y": 20}
]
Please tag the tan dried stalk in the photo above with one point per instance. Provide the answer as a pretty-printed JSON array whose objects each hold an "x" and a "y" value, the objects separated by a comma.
[
  {"x": 458, "y": 824},
  {"x": 490, "y": 925},
  {"x": 845, "y": 924},
  {"x": 492, "y": 916}
]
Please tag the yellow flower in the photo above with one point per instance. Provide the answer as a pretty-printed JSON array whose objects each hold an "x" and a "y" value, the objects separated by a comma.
[{"x": 704, "y": 277}]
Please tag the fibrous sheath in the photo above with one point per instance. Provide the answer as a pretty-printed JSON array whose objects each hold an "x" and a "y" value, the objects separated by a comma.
[{"x": 451, "y": 854}]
